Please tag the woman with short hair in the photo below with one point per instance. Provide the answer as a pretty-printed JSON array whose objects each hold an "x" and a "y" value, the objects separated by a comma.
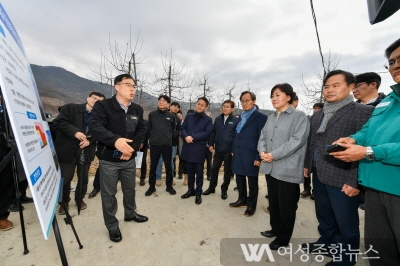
[{"x": 282, "y": 147}]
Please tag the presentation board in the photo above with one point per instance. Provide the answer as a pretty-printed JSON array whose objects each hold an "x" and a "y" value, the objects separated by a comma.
[{"x": 27, "y": 118}]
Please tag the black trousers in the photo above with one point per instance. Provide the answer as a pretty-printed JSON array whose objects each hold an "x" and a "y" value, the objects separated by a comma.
[
  {"x": 67, "y": 173},
  {"x": 209, "y": 157},
  {"x": 143, "y": 168},
  {"x": 195, "y": 173},
  {"x": 241, "y": 183},
  {"x": 6, "y": 190},
  {"x": 155, "y": 153},
  {"x": 307, "y": 183},
  {"x": 283, "y": 198},
  {"x": 182, "y": 166},
  {"x": 96, "y": 181},
  {"x": 382, "y": 227},
  {"x": 22, "y": 186},
  {"x": 219, "y": 158}
]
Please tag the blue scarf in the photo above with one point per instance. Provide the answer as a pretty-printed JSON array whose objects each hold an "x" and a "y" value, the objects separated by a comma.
[{"x": 243, "y": 118}]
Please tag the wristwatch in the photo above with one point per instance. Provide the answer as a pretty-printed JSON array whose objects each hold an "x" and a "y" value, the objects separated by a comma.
[{"x": 369, "y": 155}]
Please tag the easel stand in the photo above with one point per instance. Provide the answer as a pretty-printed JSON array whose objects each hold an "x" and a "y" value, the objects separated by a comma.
[
  {"x": 67, "y": 219},
  {"x": 8, "y": 134},
  {"x": 11, "y": 157}
]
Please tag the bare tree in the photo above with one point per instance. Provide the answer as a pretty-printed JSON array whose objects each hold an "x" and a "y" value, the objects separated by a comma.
[
  {"x": 313, "y": 89},
  {"x": 121, "y": 60},
  {"x": 252, "y": 89},
  {"x": 173, "y": 79},
  {"x": 229, "y": 92},
  {"x": 203, "y": 81},
  {"x": 191, "y": 96}
]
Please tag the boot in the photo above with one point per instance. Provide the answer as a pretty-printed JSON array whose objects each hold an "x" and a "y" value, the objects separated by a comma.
[{"x": 185, "y": 180}]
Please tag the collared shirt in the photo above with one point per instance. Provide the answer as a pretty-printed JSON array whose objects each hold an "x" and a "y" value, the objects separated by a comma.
[
  {"x": 123, "y": 106},
  {"x": 371, "y": 101},
  {"x": 225, "y": 117}
]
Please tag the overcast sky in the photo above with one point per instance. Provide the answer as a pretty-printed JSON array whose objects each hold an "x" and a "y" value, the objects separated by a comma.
[{"x": 263, "y": 42}]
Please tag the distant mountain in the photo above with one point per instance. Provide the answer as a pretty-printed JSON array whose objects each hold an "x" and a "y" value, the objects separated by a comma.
[{"x": 58, "y": 86}]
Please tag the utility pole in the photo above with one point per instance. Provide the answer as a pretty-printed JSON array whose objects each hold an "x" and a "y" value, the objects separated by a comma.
[
  {"x": 319, "y": 45},
  {"x": 204, "y": 90}
]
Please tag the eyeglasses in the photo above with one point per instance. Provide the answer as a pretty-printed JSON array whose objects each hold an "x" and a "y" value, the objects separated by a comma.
[
  {"x": 359, "y": 85},
  {"x": 392, "y": 62},
  {"x": 246, "y": 101},
  {"x": 133, "y": 86}
]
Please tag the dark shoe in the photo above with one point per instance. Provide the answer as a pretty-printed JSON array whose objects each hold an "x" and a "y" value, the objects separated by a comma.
[
  {"x": 137, "y": 218},
  {"x": 208, "y": 178},
  {"x": 268, "y": 233},
  {"x": 150, "y": 191},
  {"x": 266, "y": 196},
  {"x": 237, "y": 204},
  {"x": 198, "y": 199},
  {"x": 25, "y": 199},
  {"x": 312, "y": 196},
  {"x": 224, "y": 195},
  {"x": 61, "y": 210},
  {"x": 170, "y": 190},
  {"x": 83, "y": 205},
  {"x": 142, "y": 183},
  {"x": 232, "y": 177},
  {"x": 235, "y": 189},
  {"x": 180, "y": 176},
  {"x": 115, "y": 234},
  {"x": 94, "y": 193},
  {"x": 209, "y": 191},
  {"x": 249, "y": 211},
  {"x": 362, "y": 206},
  {"x": 305, "y": 193},
  {"x": 14, "y": 207},
  {"x": 275, "y": 245},
  {"x": 188, "y": 194}
]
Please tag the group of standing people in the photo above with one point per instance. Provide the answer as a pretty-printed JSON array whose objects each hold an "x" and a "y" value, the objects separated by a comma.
[
  {"x": 287, "y": 147},
  {"x": 365, "y": 157}
]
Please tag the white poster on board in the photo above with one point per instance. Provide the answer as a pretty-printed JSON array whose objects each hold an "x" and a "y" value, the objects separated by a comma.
[{"x": 27, "y": 119}]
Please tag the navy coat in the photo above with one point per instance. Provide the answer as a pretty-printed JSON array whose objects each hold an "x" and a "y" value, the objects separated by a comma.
[
  {"x": 222, "y": 135},
  {"x": 199, "y": 127},
  {"x": 245, "y": 145}
]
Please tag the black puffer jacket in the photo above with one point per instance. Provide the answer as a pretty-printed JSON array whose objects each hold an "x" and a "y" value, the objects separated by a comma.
[
  {"x": 109, "y": 122},
  {"x": 163, "y": 127}
]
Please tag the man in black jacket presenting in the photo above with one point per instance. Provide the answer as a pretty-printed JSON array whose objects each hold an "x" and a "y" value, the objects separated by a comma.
[
  {"x": 162, "y": 125},
  {"x": 117, "y": 124},
  {"x": 220, "y": 141},
  {"x": 72, "y": 140}
]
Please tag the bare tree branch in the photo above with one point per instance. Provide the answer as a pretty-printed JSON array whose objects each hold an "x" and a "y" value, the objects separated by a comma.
[
  {"x": 121, "y": 61},
  {"x": 173, "y": 79}
]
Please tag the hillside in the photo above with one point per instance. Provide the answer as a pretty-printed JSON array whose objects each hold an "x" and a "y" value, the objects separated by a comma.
[{"x": 58, "y": 86}]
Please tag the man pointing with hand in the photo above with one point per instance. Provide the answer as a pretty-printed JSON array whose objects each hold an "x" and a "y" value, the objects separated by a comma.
[{"x": 118, "y": 126}]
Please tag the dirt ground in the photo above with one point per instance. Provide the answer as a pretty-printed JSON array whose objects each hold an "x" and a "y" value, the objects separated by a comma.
[{"x": 178, "y": 232}]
